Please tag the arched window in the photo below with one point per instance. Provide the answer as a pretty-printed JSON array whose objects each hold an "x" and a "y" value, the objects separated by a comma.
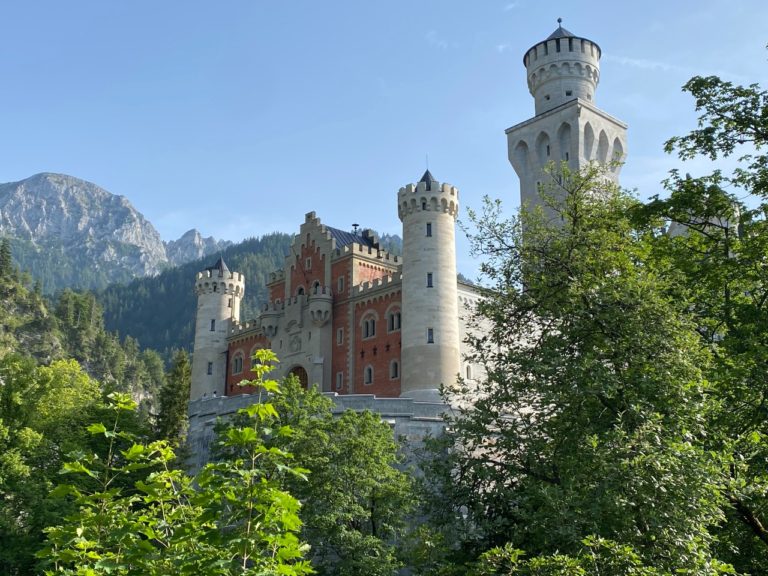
[
  {"x": 394, "y": 370},
  {"x": 300, "y": 291},
  {"x": 393, "y": 320},
  {"x": 316, "y": 287},
  {"x": 469, "y": 372},
  {"x": 237, "y": 363},
  {"x": 369, "y": 326},
  {"x": 368, "y": 375}
]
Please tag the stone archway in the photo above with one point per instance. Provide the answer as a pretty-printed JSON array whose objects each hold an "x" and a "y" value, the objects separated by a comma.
[{"x": 301, "y": 375}]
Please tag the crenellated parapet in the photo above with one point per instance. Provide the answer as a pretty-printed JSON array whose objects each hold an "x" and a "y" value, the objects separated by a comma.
[
  {"x": 384, "y": 283},
  {"x": 561, "y": 68},
  {"x": 210, "y": 281},
  {"x": 428, "y": 196}
]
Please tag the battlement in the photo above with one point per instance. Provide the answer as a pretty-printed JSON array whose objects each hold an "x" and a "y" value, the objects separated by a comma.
[
  {"x": 224, "y": 283},
  {"x": 242, "y": 328},
  {"x": 428, "y": 196},
  {"x": 561, "y": 68},
  {"x": 394, "y": 281},
  {"x": 362, "y": 249}
]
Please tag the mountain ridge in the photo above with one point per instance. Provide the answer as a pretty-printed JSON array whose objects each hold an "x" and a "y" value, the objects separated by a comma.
[{"x": 72, "y": 233}]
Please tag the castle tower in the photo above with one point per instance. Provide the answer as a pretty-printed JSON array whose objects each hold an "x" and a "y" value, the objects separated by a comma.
[
  {"x": 219, "y": 292},
  {"x": 430, "y": 327},
  {"x": 563, "y": 72}
]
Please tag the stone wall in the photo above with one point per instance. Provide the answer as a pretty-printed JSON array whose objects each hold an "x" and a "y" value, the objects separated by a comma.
[{"x": 410, "y": 420}]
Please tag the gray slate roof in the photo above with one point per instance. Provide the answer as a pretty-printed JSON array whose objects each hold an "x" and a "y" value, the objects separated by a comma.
[
  {"x": 344, "y": 238},
  {"x": 219, "y": 267}
]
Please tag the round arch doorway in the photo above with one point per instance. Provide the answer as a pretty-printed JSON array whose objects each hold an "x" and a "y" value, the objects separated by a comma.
[{"x": 301, "y": 375}]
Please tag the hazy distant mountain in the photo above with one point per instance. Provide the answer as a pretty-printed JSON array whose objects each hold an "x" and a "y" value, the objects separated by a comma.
[
  {"x": 192, "y": 246},
  {"x": 71, "y": 233}
]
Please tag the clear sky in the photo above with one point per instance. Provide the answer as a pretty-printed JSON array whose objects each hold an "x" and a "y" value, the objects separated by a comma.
[{"x": 239, "y": 116}]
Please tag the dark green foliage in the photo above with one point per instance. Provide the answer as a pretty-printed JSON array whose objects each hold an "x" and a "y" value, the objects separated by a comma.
[
  {"x": 6, "y": 261},
  {"x": 171, "y": 421},
  {"x": 160, "y": 311},
  {"x": 590, "y": 421},
  {"x": 355, "y": 501}
]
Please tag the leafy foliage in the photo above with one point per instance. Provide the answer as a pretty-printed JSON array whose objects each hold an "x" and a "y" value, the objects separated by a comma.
[
  {"x": 233, "y": 518},
  {"x": 591, "y": 419},
  {"x": 355, "y": 501}
]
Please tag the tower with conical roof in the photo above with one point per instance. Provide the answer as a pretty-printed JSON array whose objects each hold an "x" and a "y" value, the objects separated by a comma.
[
  {"x": 563, "y": 73},
  {"x": 219, "y": 293},
  {"x": 430, "y": 340}
]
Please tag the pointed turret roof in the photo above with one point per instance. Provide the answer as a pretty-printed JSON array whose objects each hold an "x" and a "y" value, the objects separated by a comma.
[
  {"x": 220, "y": 267},
  {"x": 427, "y": 177},
  {"x": 561, "y": 32}
]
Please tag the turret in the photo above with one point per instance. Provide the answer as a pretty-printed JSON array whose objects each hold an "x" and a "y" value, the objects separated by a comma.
[
  {"x": 219, "y": 293},
  {"x": 561, "y": 68},
  {"x": 563, "y": 73},
  {"x": 430, "y": 327}
]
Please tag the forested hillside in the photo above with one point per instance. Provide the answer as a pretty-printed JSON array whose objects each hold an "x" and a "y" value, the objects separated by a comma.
[{"x": 159, "y": 311}]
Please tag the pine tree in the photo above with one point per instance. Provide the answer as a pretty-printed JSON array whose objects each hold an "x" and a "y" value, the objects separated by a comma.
[
  {"x": 6, "y": 261},
  {"x": 172, "y": 419}
]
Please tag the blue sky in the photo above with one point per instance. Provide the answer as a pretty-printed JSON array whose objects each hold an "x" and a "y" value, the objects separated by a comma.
[{"x": 237, "y": 117}]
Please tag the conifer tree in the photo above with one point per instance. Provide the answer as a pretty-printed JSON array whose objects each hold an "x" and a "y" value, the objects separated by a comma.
[{"x": 172, "y": 418}]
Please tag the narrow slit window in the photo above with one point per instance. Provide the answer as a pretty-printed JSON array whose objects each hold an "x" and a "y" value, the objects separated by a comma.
[
  {"x": 429, "y": 228},
  {"x": 430, "y": 335},
  {"x": 213, "y": 325}
]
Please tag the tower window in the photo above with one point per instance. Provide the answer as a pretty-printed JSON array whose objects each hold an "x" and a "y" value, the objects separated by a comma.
[
  {"x": 570, "y": 44},
  {"x": 229, "y": 303},
  {"x": 430, "y": 336},
  {"x": 368, "y": 375},
  {"x": 546, "y": 97},
  {"x": 214, "y": 287},
  {"x": 210, "y": 368},
  {"x": 546, "y": 48},
  {"x": 429, "y": 228},
  {"x": 340, "y": 284},
  {"x": 567, "y": 156},
  {"x": 547, "y": 149},
  {"x": 423, "y": 204},
  {"x": 339, "y": 380},
  {"x": 300, "y": 291},
  {"x": 569, "y": 92},
  {"x": 469, "y": 372},
  {"x": 340, "y": 336},
  {"x": 394, "y": 370},
  {"x": 557, "y": 44},
  {"x": 429, "y": 280},
  {"x": 213, "y": 325}
]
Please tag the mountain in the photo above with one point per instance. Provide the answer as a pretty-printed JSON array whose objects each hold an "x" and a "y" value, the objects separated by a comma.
[
  {"x": 192, "y": 246},
  {"x": 70, "y": 233},
  {"x": 159, "y": 311}
]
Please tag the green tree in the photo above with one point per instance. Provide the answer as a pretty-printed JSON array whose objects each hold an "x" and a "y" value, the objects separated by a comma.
[
  {"x": 233, "y": 518},
  {"x": 718, "y": 251},
  {"x": 43, "y": 411},
  {"x": 590, "y": 420},
  {"x": 356, "y": 501},
  {"x": 6, "y": 260},
  {"x": 174, "y": 395}
]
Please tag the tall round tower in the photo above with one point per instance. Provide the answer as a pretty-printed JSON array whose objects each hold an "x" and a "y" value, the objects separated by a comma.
[
  {"x": 568, "y": 128},
  {"x": 219, "y": 292},
  {"x": 430, "y": 327},
  {"x": 561, "y": 68}
]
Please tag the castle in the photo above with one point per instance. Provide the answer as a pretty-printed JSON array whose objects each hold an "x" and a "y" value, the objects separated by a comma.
[{"x": 379, "y": 331}]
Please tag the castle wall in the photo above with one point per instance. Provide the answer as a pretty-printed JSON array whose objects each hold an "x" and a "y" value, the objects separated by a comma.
[
  {"x": 412, "y": 421},
  {"x": 375, "y": 372}
]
